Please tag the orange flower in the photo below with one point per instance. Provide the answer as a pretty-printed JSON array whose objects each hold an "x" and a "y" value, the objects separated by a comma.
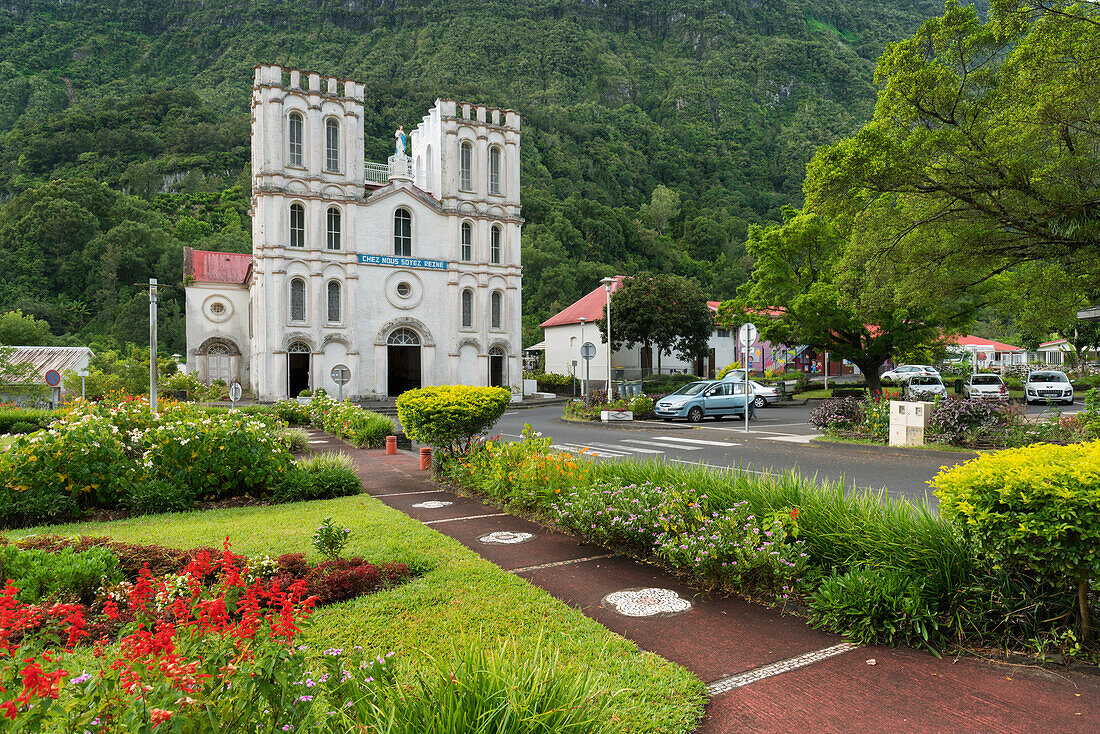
[{"x": 159, "y": 716}]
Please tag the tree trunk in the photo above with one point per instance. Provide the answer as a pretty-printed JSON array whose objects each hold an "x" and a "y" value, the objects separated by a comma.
[
  {"x": 870, "y": 373},
  {"x": 1083, "y": 606},
  {"x": 658, "y": 360}
]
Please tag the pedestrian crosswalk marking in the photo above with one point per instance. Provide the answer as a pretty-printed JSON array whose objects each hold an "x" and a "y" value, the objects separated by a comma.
[
  {"x": 662, "y": 445},
  {"x": 699, "y": 441},
  {"x": 619, "y": 446}
]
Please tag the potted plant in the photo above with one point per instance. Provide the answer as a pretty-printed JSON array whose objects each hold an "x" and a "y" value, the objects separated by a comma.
[{"x": 304, "y": 396}]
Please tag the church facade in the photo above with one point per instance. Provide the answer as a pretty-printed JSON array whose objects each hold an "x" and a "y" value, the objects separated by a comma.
[{"x": 366, "y": 279}]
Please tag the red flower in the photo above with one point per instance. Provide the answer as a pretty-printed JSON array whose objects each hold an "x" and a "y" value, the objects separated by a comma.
[
  {"x": 159, "y": 716},
  {"x": 794, "y": 513}
]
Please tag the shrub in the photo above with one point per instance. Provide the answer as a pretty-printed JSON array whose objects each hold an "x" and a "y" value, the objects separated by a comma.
[
  {"x": 361, "y": 427},
  {"x": 727, "y": 369},
  {"x": 331, "y": 475},
  {"x": 296, "y": 439},
  {"x": 340, "y": 579},
  {"x": 68, "y": 575},
  {"x": 1036, "y": 508},
  {"x": 451, "y": 417},
  {"x": 292, "y": 412},
  {"x": 329, "y": 540},
  {"x": 294, "y": 485},
  {"x": 147, "y": 496},
  {"x": 876, "y": 605},
  {"x": 643, "y": 406},
  {"x": 17, "y": 420},
  {"x": 837, "y": 414}
]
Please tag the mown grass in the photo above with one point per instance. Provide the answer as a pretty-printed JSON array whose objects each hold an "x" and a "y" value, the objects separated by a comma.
[{"x": 459, "y": 600}]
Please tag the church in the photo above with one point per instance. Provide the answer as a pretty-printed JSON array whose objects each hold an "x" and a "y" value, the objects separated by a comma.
[{"x": 366, "y": 279}]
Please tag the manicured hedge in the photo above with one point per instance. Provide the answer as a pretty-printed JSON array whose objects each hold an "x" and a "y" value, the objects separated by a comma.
[
  {"x": 451, "y": 417},
  {"x": 17, "y": 420}
]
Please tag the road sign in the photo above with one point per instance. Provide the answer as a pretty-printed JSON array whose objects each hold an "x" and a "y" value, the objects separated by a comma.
[
  {"x": 747, "y": 334},
  {"x": 235, "y": 392},
  {"x": 53, "y": 378},
  {"x": 588, "y": 350},
  {"x": 341, "y": 375},
  {"x": 82, "y": 373}
]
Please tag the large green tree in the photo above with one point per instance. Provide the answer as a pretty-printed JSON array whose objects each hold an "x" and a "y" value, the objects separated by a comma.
[
  {"x": 813, "y": 296},
  {"x": 982, "y": 152},
  {"x": 663, "y": 312}
]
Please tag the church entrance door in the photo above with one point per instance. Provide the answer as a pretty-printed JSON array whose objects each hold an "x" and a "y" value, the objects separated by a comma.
[
  {"x": 496, "y": 367},
  {"x": 403, "y": 357},
  {"x": 297, "y": 368}
]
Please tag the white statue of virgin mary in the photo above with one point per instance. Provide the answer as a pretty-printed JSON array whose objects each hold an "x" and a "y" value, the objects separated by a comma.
[{"x": 402, "y": 141}]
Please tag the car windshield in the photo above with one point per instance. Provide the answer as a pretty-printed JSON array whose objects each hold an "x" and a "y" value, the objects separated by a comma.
[
  {"x": 1047, "y": 377},
  {"x": 986, "y": 380},
  {"x": 925, "y": 380},
  {"x": 692, "y": 388}
]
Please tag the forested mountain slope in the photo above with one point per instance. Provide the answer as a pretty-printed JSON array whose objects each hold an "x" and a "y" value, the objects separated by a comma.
[{"x": 720, "y": 101}]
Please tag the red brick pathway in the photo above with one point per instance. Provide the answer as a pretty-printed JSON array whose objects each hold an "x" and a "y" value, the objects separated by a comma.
[{"x": 728, "y": 642}]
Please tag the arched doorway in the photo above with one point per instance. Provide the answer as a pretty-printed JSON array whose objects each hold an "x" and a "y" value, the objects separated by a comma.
[
  {"x": 496, "y": 367},
  {"x": 297, "y": 368},
  {"x": 217, "y": 364},
  {"x": 403, "y": 360}
]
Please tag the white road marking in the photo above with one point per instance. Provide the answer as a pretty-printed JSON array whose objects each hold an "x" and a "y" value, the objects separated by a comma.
[
  {"x": 460, "y": 519},
  {"x": 698, "y": 441},
  {"x": 636, "y": 449},
  {"x": 587, "y": 450},
  {"x": 792, "y": 438},
  {"x": 662, "y": 445},
  {"x": 767, "y": 671},
  {"x": 727, "y": 468}
]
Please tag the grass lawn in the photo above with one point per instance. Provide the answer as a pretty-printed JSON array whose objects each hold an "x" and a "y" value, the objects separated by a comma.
[{"x": 458, "y": 600}]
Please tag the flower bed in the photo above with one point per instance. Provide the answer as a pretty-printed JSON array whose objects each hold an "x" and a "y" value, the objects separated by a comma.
[{"x": 361, "y": 427}]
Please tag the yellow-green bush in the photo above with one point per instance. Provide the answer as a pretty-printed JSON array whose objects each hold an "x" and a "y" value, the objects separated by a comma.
[
  {"x": 1036, "y": 508},
  {"x": 450, "y": 417}
]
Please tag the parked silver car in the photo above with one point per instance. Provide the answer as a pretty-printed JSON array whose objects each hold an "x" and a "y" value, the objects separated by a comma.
[
  {"x": 905, "y": 371},
  {"x": 1044, "y": 385},
  {"x": 924, "y": 387},
  {"x": 985, "y": 387}
]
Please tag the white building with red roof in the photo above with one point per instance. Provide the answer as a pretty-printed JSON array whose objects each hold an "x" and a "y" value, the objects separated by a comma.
[
  {"x": 397, "y": 275},
  {"x": 987, "y": 351}
]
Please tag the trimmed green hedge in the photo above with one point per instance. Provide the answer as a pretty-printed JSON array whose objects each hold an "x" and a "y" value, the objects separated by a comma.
[
  {"x": 450, "y": 417},
  {"x": 17, "y": 420}
]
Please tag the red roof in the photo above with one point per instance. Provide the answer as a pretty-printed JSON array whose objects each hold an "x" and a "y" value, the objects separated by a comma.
[
  {"x": 589, "y": 307},
  {"x": 216, "y": 267},
  {"x": 977, "y": 341},
  {"x": 1054, "y": 343}
]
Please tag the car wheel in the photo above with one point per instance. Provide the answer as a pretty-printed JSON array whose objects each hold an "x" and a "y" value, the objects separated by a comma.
[
  {"x": 695, "y": 415},
  {"x": 760, "y": 402}
]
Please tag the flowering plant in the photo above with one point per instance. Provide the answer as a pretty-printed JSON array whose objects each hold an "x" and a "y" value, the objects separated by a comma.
[{"x": 330, "y": 540}]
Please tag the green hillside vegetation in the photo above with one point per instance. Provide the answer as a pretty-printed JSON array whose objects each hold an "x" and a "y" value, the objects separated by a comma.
[{"x": 655, "y": 132}]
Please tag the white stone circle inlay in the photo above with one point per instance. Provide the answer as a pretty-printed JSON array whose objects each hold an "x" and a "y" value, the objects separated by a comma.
[
  {"x": 432, "y": 504},
  {"x": 650, "y": 602},
  {"x": 506, "y": 537}
]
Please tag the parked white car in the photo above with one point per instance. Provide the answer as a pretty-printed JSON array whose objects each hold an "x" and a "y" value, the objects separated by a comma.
[
  {"x": 1044, "y": 385},
  {"x": 765, "y": 394},
  {"x": 924, "y": 387},
  {"x": 985, "y": 387},
  {"x": 905, "y": 371}
]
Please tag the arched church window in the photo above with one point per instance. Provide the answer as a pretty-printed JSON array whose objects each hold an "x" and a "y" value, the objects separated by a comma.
[
  {"x": 297, "y": 300},
  {"x": 496, "y": 352},
  {"x": 297, "y": 225},
  {"x": 332, "y": 145},
  {"x": 467, "y": 309},
  {"x": 466, "y": 166},
  {"x": 496, "y": 309},
  {"x": 494, "y": 244},
  {"x": 294, "y": 139},
  {"x": 217, "y": 350},
  {"x": 494, "y": 170},
  {"x": 467, "y": 242},
  {"x": 402, "y": 233},
  {"x": 298, "y": 348},
  {"x": 403, "y": 338},
  {"x": 334, "y": 301},
  {"x": 333, "y": 240}
]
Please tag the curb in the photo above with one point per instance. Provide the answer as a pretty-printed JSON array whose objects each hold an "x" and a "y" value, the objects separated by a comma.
[{"x": 874, "y": 448}]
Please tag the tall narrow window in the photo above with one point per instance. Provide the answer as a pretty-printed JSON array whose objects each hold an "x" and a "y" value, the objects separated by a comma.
[
  {"x": 332, "y": 145},
  {"x": 402, "y": 233},
  {"x": 496, "y": 307},
  {"x": 494, "y": 170},
  {"x": 297, "y": 225},
  {"x": 467, "y": 309},
  {"x": 294, "y": 139},
  {"x": 494, "y": 245},
  {"x": 297, "y": 300},
  {"x": 333, "y": 301},
  {"x": 467, "y": 242},
  {"x": 466, "y": 167},
  {"x": 333, "y": 228}
]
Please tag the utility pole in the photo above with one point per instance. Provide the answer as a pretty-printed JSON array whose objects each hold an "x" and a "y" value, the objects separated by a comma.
[{"x": 153, "y": 344}]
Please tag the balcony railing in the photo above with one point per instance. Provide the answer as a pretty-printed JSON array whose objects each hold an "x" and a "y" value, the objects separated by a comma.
[{"x": 377, "y": 173}]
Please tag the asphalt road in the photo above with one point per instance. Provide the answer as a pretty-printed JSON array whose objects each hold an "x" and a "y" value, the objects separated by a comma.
[{"x": 777, "y": 442}]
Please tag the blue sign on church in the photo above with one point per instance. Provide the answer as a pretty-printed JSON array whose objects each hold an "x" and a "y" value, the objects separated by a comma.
[{"x": 402, "y": 262}]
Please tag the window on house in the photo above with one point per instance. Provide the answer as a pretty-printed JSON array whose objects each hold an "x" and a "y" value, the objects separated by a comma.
[
  {"x": 297, "y": 225},
  {"x": 467, "y": 309},
  {"x": 332, "y": 145},
  {"x": 466, "y": 167},
  {"x": 494, "y": 245},
  {"x": 297, "y": 300},
  {"x": 494, "y": 170},
  {"x": 294, "y": 138},
  {"x": 467, "y": 242},
  {"x": 333, "y": 301},
  {"x": 496, "y": 308},
  {"x": 402, "y": 233},
  {"x": 333, "y": 228}
]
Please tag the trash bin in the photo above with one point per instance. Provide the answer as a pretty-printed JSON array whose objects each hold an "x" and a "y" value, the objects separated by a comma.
[{"x": 958, "y": 387}]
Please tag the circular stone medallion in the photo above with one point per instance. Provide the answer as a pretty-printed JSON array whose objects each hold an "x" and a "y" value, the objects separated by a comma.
[
  {"x": 506, "y": 537},
  {"x": 432, "y": 505},
  {"x": 649, "y": 602}
]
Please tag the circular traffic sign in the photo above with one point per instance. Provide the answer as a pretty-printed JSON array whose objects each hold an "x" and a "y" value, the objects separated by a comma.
[
  {"x": 341, "y": 375},
  {"x": 588, "y": 350},
  {"x": 235, "y": 392},
  {"x": 747, "y": 333},
  {"x": 53, "y": 378}
]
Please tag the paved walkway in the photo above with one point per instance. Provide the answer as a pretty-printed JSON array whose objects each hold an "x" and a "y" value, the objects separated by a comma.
[{"x": 765, "y": 672}]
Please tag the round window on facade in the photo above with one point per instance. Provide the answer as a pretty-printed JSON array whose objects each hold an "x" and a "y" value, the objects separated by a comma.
[
  {"x": 217, "y": 309},
  {"x": 404, "y": 289}
]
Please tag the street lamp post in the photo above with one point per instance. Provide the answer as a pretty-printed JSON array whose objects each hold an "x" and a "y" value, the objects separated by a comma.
[
  {"x": 607, "y": 283},
  {"x": 583, "y": 319}
]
